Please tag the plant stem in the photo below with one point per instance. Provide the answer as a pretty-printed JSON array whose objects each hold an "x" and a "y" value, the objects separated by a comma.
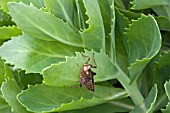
[{"x": 132, "y": 89}]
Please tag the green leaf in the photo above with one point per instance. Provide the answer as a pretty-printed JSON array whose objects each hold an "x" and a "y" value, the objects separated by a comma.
[
  {"x": 108, "y": 16},
  {"x": 37, "y": 99},
  {"x": 122, "y": 105},
  {"x": 33, "y": 55},
  {"x": 37, "y": 3},
  {"x": 43, "y": 25},
  {"x": 10, "y": 90},
  {"x": 23, "y": 80},
  {"x": 167, "y": 89},
  {"x": 4, "y": 107},
  {"x": 81, "y": 15},
  {"x": 163, "y": 22},
  {"x": 149, "y": 102},
  {"x": 63, "y": 9},
  {"x": 94, "y": 36},
  {"x": 167, "y": 110},
  {"x": 143, "y": 4},
  {"x": 55, "y": 76},
  {"x": 120, "y": 41},
  {"x": 5, "y": 19},
  {"x": 143, "y": 44},
  {"x": 159, "y": 71},
  {"x": 8, "y": 32},
  {"x": 2, "y": 71}
]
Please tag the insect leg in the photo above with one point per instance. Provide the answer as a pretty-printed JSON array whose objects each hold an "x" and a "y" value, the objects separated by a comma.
[
  {"x": 87, "y": 57},
  {"x": 95, "y": 66},
  {"x": 78, "y": 65}
]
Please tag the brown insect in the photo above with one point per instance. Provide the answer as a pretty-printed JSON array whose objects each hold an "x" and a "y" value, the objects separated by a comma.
[{"x": 86, "y": 74}]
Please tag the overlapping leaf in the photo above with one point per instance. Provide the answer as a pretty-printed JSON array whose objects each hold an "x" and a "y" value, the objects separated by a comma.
[
  {"x": 142, "y": 45},
  {"x": 5, "y": 19},
  {"x": 33, "y": 54},
  {"x": 143, "y": 4},
  {"x": 5, "y": 108},
  {"x": 163, "y": 22},
  {"x": 2, "y": 71},
  {"x": 107, "y": 12},
  {"x": 8, "y": 32},
  {"x": 66, "y": 98},
  {"x": 122, "y": 105},
  {"x": 64, "y": 9},
  {"x": 167, "y": 89},
  {"x": 55, "y": 76},
  {"x": 10, "y": 90},
  {"x": 120, "y": 41},
  {"x": 94, "y": 36},
  {"x": 148, "y": 104},
  {"x": 44, "y": 26},
  {"x": 37, "y": 3}
]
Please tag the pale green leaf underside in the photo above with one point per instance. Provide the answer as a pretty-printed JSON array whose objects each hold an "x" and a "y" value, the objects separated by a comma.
[
  {"x": 142, "y": 45},
  {"x": 149, "y": 102},
  {"x": 55, "y": 76},
  {"x": 33, "y": 55},
  {"x": 63, "y": 9},
  {"x": 66, "y": 98},
  {"x": 94, "y": 36},
  {"x": 10, "y": 90},
  {"x": 143, "y": 4},
  {"x": 43, "y": 25},
  {"x": 8, "y": 32}
]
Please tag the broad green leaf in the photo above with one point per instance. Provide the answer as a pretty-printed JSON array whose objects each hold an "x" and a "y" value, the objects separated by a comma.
[
  {"x": 43, "y": 25},
  {"x": 37, "y": 3},
  {"x": 167, "y": 89},
  {"x": 158, "y": 71},
  {"x": 143, "y": 4},
  {"x": 8, "y": 32},
  {"x": 163, "y": 22},
  {"x": 108, "y": 16},
  {"x": 120, "y": 40},
  {"x": 81, "y": 15},
  {"x": 67, "y": 73},
  {"x": 94, "y": 36},
  {"x": 63, "y": 9},
  {"x": 2, "y": 71},
  {"x": 149, "y": 103},
  {"x": 10, "y": 90},
  {"x": 37, "y": 99},
  {"x": 4, "y": 107},
  {"x": 144, "y": 42},
  {"x": 122, "y": 105},
  {"x": 33, "y": 55},
  {"x": 160, "y": 10}
]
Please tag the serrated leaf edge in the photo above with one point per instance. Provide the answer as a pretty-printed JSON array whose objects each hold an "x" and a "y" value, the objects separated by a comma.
[
  {"x": 60, "y": 20},
  {"x": 63, "y": 104}
]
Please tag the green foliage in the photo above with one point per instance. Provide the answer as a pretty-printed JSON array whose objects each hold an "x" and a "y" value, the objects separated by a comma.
[{"x": 43, "y": 43}]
